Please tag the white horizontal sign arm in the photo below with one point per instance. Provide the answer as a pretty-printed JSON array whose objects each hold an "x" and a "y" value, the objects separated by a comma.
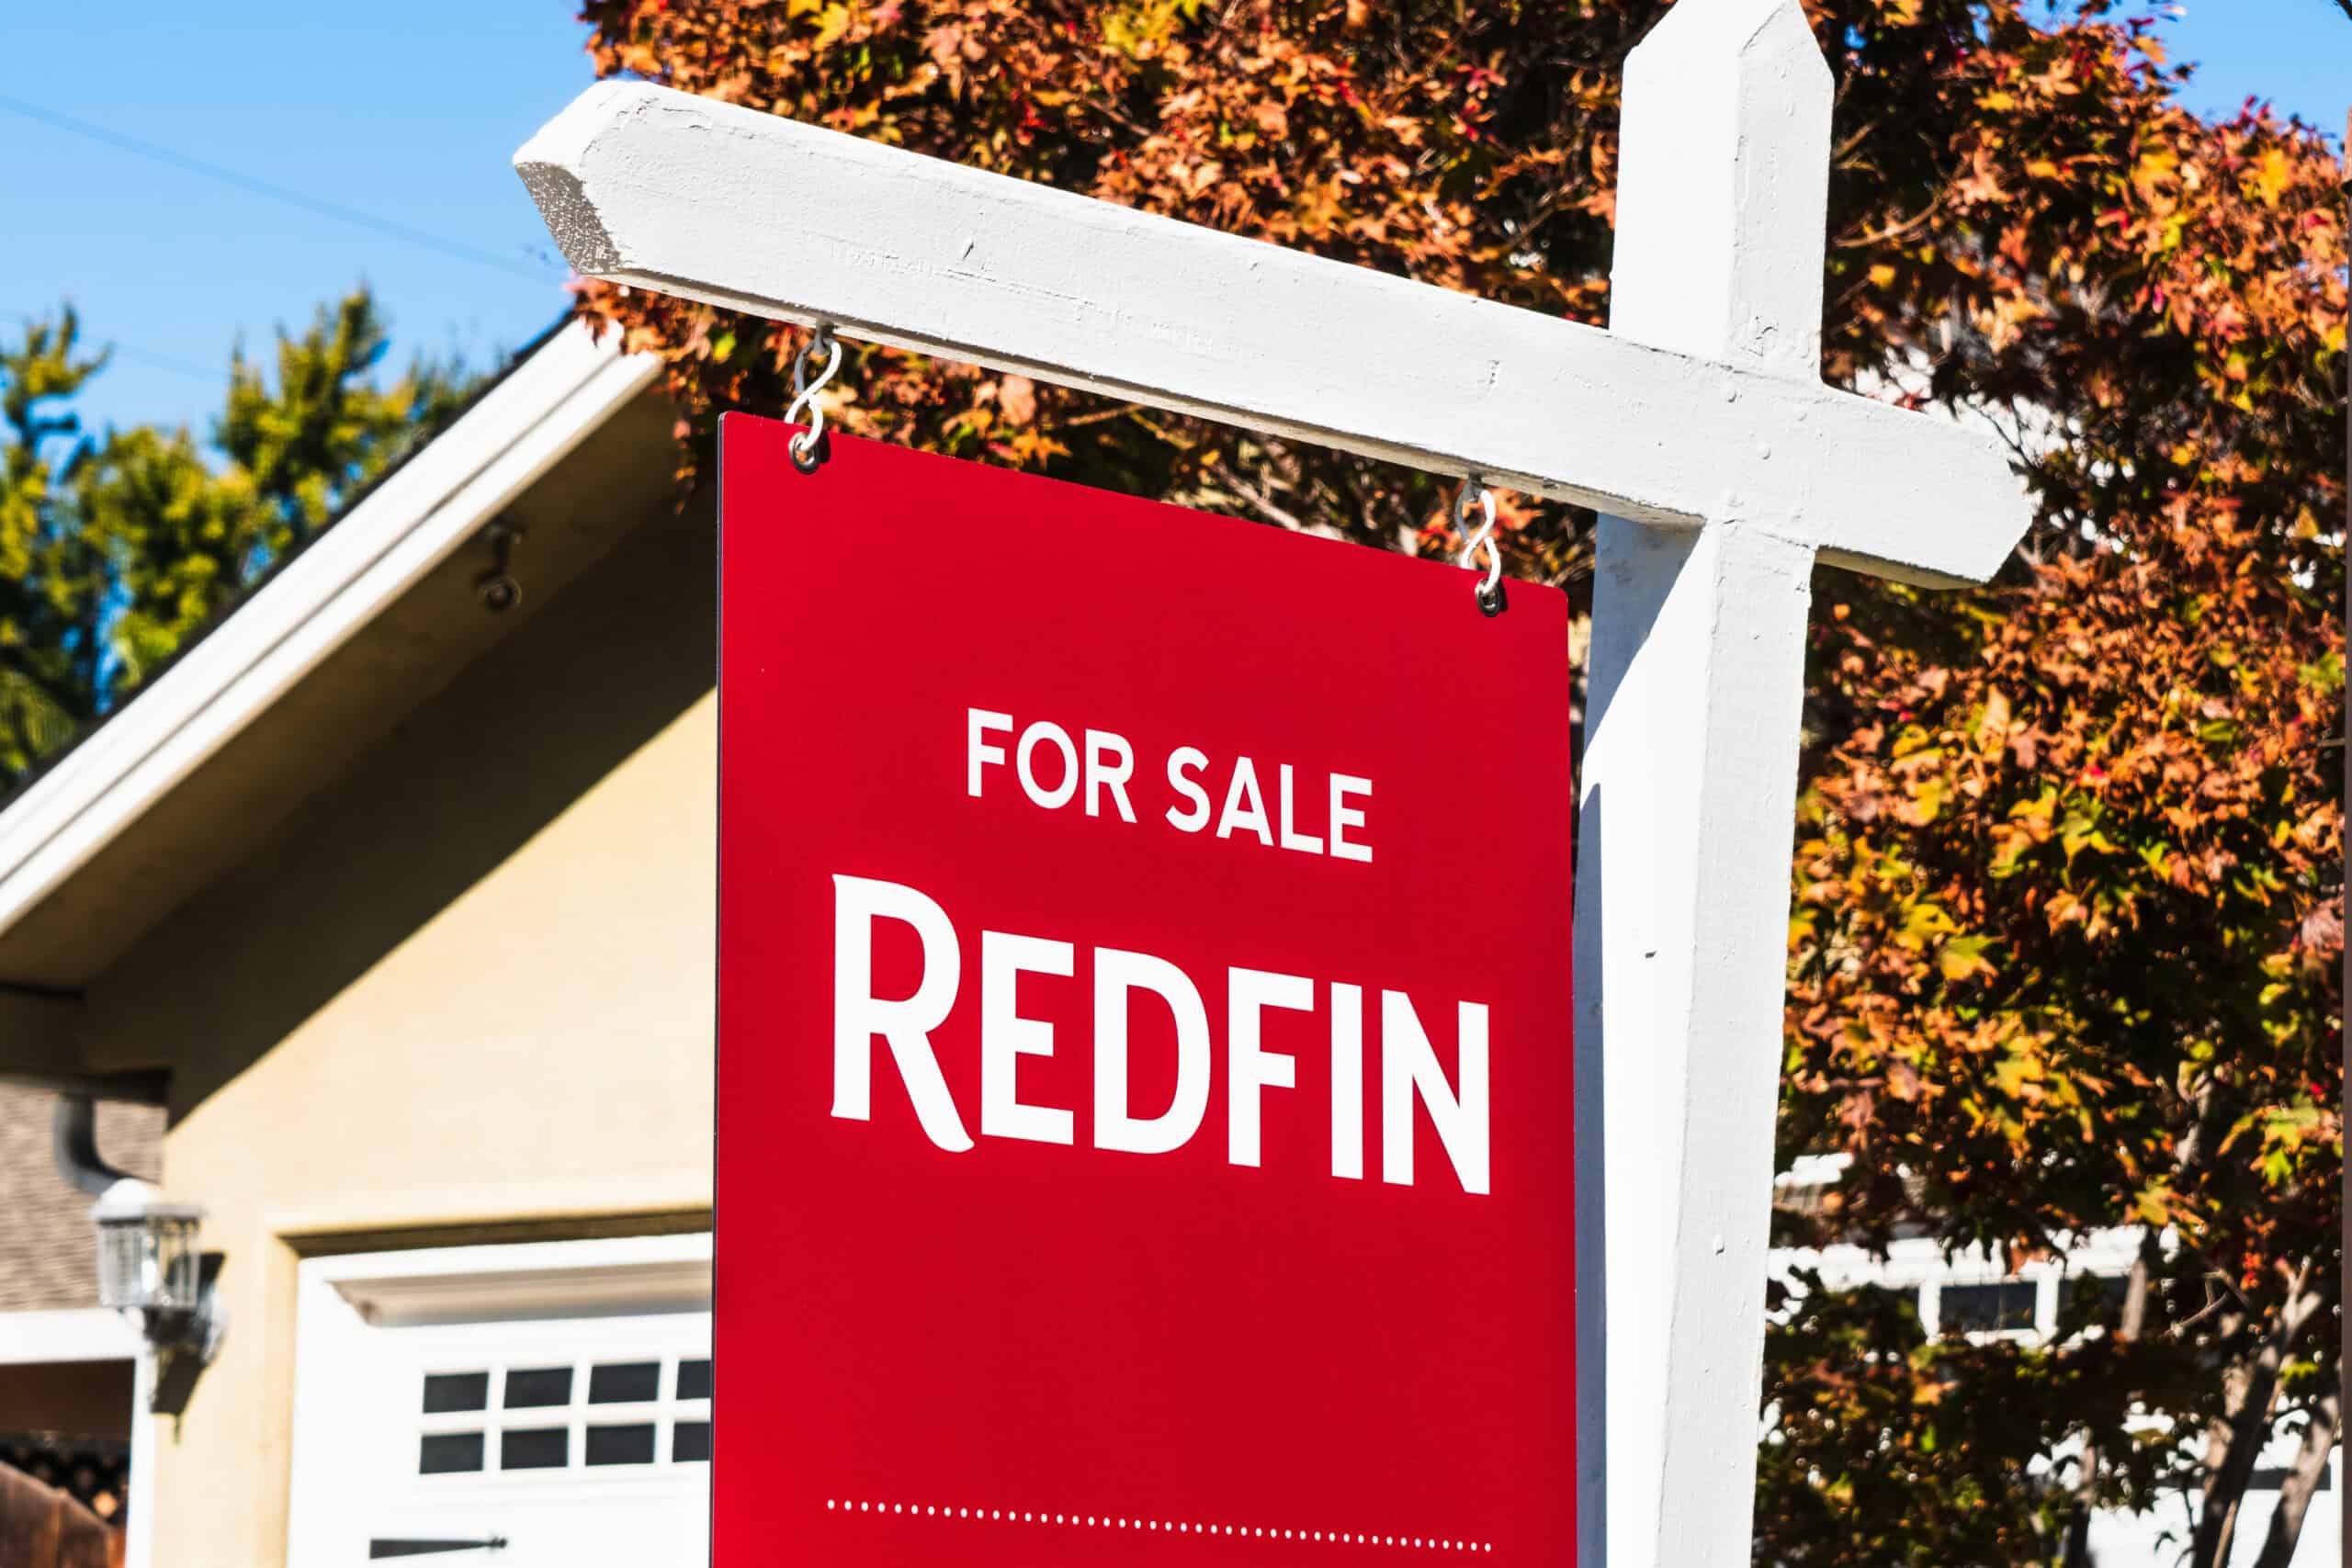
[{"x": 655, "y": 189}]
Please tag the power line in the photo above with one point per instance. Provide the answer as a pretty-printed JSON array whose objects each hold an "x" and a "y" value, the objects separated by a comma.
[
  {"x": 218, "y": 375},
  {"x": 274, "y": 192}
]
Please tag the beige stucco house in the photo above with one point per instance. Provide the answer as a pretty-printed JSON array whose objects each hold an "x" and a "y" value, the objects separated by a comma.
[{"x": 401, "y": 903}]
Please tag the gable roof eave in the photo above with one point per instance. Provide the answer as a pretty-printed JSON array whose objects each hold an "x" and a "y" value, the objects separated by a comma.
[{"x": 410, "y": 523}]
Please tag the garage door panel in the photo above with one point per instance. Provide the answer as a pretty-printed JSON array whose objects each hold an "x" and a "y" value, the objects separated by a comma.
[{"x": 574, "y": 1439}]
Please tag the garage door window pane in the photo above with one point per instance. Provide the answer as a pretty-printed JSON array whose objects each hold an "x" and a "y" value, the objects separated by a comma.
[
  {"x": 690, "y": 1442},
  {"x": 448, "y": 1453},
  {"x": 621, "y": 1445},
  {"x": 530, "y": 1388},
  {"x": 693, "y": 1379},
  {"x": 627, "y": 1383},
  {"x": 445, "y": 1392},
  {"x": 542, "y": 1447}
]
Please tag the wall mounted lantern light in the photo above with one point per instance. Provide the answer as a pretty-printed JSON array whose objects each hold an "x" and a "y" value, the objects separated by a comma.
[{"x": 149, "y": 1266}]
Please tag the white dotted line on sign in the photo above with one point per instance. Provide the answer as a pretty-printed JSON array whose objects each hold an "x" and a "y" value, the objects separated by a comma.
[{"x": 1172, "y": 1526}]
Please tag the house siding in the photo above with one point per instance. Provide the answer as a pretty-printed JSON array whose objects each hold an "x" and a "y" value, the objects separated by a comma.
[{"x": 466, "y": 995}]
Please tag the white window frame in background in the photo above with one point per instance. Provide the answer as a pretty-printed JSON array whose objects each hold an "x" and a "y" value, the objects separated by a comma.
[{"x": 1918, "y": 1264}]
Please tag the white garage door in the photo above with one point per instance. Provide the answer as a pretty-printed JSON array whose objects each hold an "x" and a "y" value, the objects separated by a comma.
[{"x": 533, "y": 1406}]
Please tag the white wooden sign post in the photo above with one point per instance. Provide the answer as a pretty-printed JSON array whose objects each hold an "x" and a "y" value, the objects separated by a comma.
[{"x": 1698, "y": 425}]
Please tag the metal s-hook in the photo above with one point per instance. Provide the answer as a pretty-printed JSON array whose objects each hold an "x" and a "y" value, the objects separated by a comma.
[
  {"x": 1488, "y": 590},
  {"x": 808, "y": 449}
]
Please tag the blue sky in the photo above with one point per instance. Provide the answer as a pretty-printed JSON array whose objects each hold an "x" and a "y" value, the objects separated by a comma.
[
  {"x": 2296, "y": 53},
  {"x": 409, "y": 112}
]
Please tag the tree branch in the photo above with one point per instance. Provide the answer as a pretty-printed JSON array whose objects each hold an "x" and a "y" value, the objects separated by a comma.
[
  {"x": 2237, "y": 1432},
  {"x": 2310, "y": 1466},
  {"x": 1258, "y": 500}
]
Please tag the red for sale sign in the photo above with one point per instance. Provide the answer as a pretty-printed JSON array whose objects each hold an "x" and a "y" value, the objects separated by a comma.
[{"x": 1144, "y": 1034}]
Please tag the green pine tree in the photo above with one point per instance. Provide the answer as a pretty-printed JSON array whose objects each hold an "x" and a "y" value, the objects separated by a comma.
[{"x": 115, "y": 548}]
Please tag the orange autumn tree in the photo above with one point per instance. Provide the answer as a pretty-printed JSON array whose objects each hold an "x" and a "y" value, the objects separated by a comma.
[{"x": 2068, "y": 925}]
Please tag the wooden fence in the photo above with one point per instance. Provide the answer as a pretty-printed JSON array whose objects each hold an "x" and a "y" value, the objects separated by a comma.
[{"x": 41, "y": 1527}]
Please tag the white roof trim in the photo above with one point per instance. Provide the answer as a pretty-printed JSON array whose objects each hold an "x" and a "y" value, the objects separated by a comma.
[{"x": 409, "y": 524}]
